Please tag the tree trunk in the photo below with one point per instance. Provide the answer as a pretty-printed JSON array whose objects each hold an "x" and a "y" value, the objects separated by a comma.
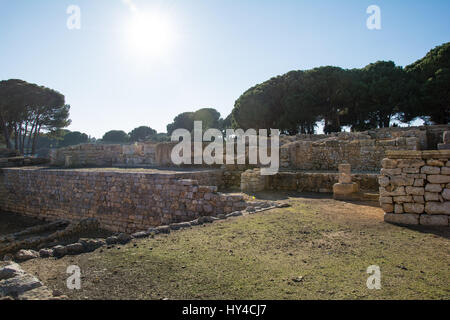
[{"x": 35, "y": 137}]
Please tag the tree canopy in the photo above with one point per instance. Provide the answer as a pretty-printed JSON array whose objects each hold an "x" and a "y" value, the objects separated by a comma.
[
  {"x": 210, "y": 118},
  {"x": 26, "y": 109},
  {"x": 362, "y": 99},
  {"x": 116, "y": 136},
  {"x": 142, "y": 133}
]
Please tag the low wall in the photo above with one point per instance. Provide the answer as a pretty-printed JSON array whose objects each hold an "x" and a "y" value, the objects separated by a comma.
[
  {"x": 252, "y": 181},
  {"x": 362, "y": 150},
  {"x": 121, "y": 201},
  {"x": 108, "y": 155},
  {"x": 415, "y": 187}
]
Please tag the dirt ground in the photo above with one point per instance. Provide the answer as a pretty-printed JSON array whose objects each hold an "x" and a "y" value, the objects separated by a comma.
[{"x": 318, "y": 248}]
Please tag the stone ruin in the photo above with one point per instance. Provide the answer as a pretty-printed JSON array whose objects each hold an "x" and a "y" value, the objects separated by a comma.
[{"x": 345, "y": 189}]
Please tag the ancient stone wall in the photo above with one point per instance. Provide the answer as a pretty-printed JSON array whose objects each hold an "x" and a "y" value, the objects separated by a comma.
[
  {"x": 108, "y": 155},
  {"x": 121, "y": 201},
  {"x": 362, "y": 150},
  {"x": 415, "y": 187},
  {"x": 322, "y": 182}
]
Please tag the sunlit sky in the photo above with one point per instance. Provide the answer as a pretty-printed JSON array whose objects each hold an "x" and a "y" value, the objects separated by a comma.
[{"x": 143, "y": 62}]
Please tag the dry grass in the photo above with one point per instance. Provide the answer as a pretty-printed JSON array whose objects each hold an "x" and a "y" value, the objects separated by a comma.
[{"x": 327, "y": 245}]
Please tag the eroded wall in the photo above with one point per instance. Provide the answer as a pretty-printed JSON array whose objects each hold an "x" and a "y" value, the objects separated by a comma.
[{"x": 121, "y": 201}]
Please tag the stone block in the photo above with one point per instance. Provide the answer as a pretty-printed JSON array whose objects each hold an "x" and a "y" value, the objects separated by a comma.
[
  {"x": 438, "y": 207},
  {"x": 446, "y": 194},
  {"x": 403, "y": 199},
  {"x": 438, "y": 179},
  {"x": 404, "y": 218},
  {"x": 431, "y": 196},
  {"x": 430, "y": 170},
  {"x": 415, "y": 191},
  {"x": 434, "y": 220},
  {"x": 435, "y": 163},
  {"x": 387, "y": 200},
  {"x": 398, "y": 208},
  {"x": 413, "y": 208},
  {"x": 433, "y": 187},
  {"x": 345, "y": 191},
  {"x": 387, "y": 163}
]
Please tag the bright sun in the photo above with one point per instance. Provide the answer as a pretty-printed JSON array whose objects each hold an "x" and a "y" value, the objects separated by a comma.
[{"x": 150, "y": 35}]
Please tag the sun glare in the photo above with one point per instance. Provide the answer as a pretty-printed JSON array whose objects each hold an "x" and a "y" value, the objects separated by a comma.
[{"x": 150, "y": 35}]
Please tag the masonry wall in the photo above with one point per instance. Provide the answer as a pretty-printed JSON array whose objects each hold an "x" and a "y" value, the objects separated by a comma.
[
  {"x": 121, "y": 201},
  {"x": 415, "y": 187},
  {"x": 362, "y": 150},
  {"x": 322, "y": 182}
]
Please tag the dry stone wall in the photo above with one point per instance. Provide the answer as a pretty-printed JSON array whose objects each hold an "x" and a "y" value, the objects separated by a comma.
[
  {"x": 362, "y": 150},
  {"x": 322, "y": 182},
  {"x": 120, "y": 201},
  {"x": 415, "y": 187}
]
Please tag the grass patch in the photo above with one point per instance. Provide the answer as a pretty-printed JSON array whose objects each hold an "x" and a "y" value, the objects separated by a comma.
[{"x": 316, "y": 249}]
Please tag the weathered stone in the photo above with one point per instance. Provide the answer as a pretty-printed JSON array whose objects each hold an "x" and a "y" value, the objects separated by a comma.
[
  {"x": 387, "y": 163},
  {"x": 388, "y": 208},
  {"x": 140, "y": 235},
  {"x": 391, "y": 172},
  {"x": 163, "y": 229},
  {"x": 386, "y": 200},
  {"x": 433, "y": 187},
  {"x": 392, "y": 192},
  {"x": 403, "y": 199},
  {"x": 434, "y": 220},
  {"x": 75, "y": 248},
  {"x": 345, "y": 191},
  {"x": 383, "y": 181},
  {"x": 413, "y": 207},
  {"x": 416, "y": 191},
  {"x": 431, "y": 196},
  {"x": 438, "y": 179},
  {"x": 45, "y": 253},
  {"x": 398, "y": 208},
  {"x": 24, "y": 255},
  {"x": 59, "y": 251},
  {"x": 178, "y": 226},
  {"x": 112, "y": 240},
  {"x": 405, "y": 218},
  {"x": 18, "y": 285},
  {"x": 124, "y": 238},
  {"x": 205, "y": 219},
  {"x": 410, "y": 163},
  {"x": 435, "y": 163},
  {"x": 10, "y": 271},
  {"x": 430, "y": 170},
  {"x": 40, "y": 293},
  {"x": 419, "y": 182},
  {"x": 437, "y": 207},
  {"x": 419, "y": 199},
  {"x": 411, "y": 170},
  {"x": 445, "y": 170},
  {"x": 446, "y": 194},
  {"x": 402, "y": 181}
]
